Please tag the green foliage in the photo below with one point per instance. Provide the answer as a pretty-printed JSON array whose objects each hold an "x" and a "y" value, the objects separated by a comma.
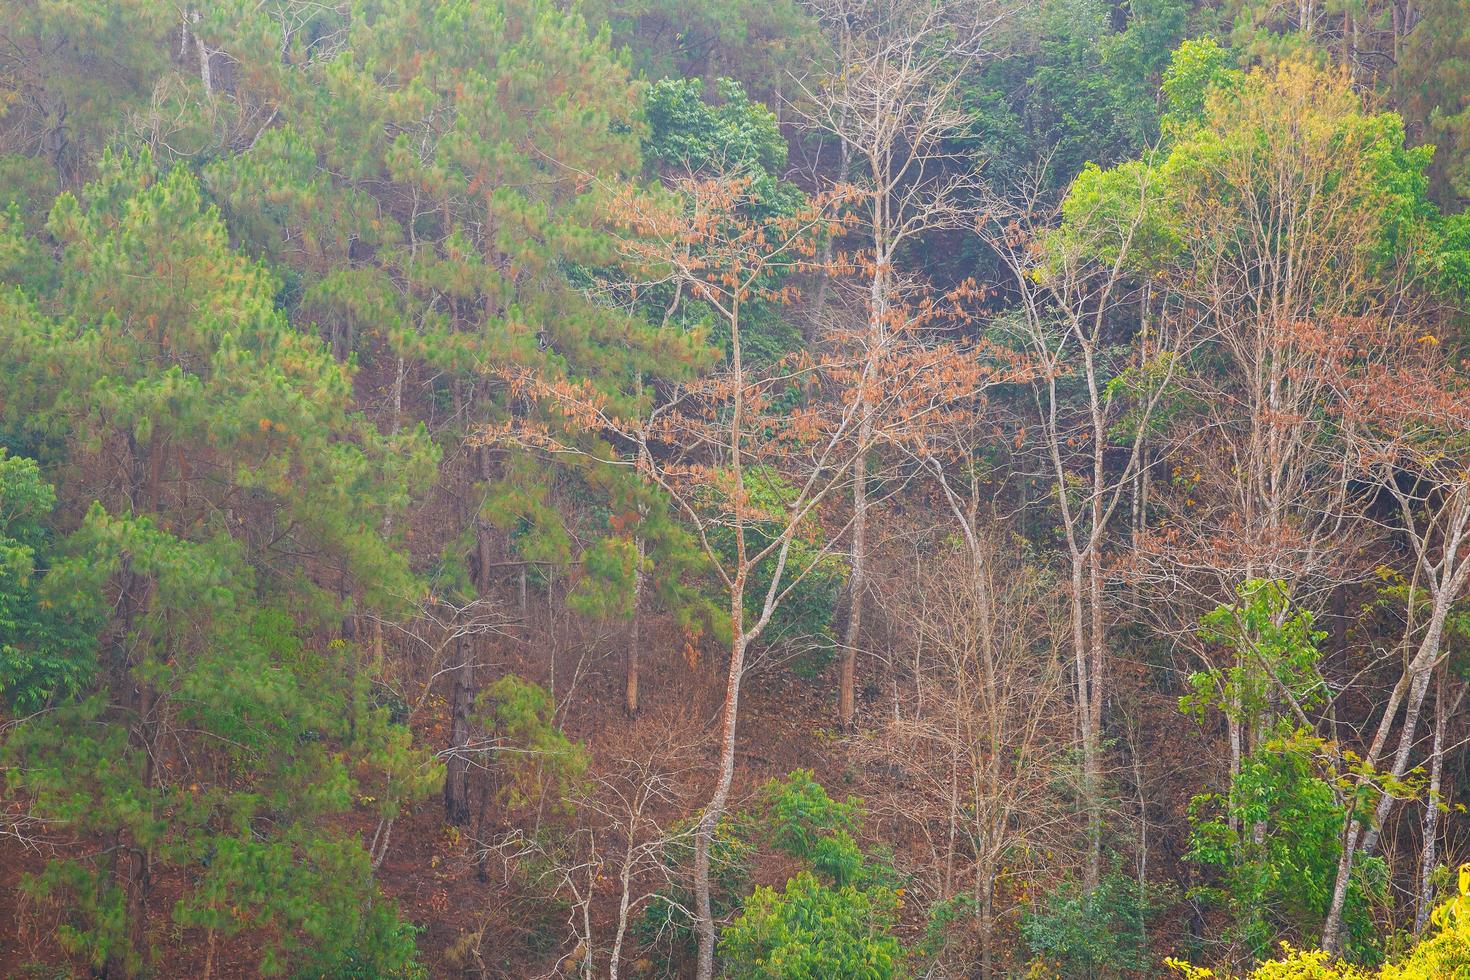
[
  {"x": 809, "y": 931},
  {"x": 47, "y": 632},
  {"x": 217, "y": 444},
  {"x": 240, "y": 677},
  {"x": 799, "y": 815},
  {"x": 1101, "y": 204},
  {"x": 1228, "y": 135},
  {"x": 72, "y": 73},
  {"x": 1274, "y": 843},
  {"x": 1444, "y": 955},
  {"x": 319, "y": 891},
  {"x": 801, "y": 820},
  {"x": 198, "y": 370},
  {"x": 1091, "y": 934},
  {"x": 1074, "y": 89},
  {"x": 610, "y": 566},
  {"x": 384, "y": 947},
  {"x": 534, "y": 760},
  {"x": 212, "y": 291},
  {"x": 732, "y": 138},
  {"x": 1275, "y": 647},
  {"x": 1449, "y": 253},
  {"x": 1197, "y": 69},
  {"x": 1274, "y": 837},
  {"x": 838, "y": 924},
  {"x": 1434, "y": 91}
]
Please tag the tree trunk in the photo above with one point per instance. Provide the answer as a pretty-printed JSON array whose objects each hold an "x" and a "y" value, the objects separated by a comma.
[
  {"x": 1094, "y": 715},
  {"x": 1416, "y": 683},
  {"x": 714, "y": 811},
  {"x": 987, "y": 922},
  {"x": 1085, "y": 728},
  {"x": 635, "y": 640},
  {"x": 1428, "y": 856},
  {"x": 1417, "y": 692},
  {"x": 131, "y": 861},
  {"x": 457, "y": 769},
  {"x": 856, "y": 585}
]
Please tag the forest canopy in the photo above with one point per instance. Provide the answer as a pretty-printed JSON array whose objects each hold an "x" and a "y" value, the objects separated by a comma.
[{"x": 745, "y": 488}]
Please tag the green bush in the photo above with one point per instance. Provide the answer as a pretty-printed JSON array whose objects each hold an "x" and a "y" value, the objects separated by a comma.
[
  {"x": 1276, "y": 869},
  {"x": 384, "y": 948},
  {"x": 1091, "y": 934},
  {"x": 799, "y": 814},
  {"x": 809, "y": 931}
]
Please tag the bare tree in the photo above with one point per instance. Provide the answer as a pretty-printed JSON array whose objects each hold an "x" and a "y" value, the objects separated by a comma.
[
  {"x": 716, "y": 444},
  {"x": 888, "y": 103},
  {"x": 973, "y": 760},
  {"x": 1095, "y": 402}
]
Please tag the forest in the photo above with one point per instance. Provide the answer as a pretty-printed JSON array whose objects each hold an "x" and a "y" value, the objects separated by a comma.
[{"x": 735, "y": 488}]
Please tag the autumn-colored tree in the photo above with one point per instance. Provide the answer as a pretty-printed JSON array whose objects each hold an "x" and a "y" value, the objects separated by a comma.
[
  {"x": 710, "y": 443},
  {"x": 889, "y": 107}
]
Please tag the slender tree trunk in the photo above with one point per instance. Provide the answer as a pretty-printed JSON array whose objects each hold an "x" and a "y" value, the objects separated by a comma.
[
  {"x": 1417, "y": 692},
  {"x": 206, "y": 75},
  {"x": 138, "y": 867},
  {"x": 1414, "y": 684},
  {"x": 635, "y": 640},
  {"x": 954, "y": 814},
  {"x": 714, "y": 811},
  {"x": 987, "y": 921},
  {"x": 1428, "y": 857},
  {"x": 130, "y": 864},
  {"x": 625, "y": 885},
  {"x": 1085, "y": 727},
  {"x": 856, "y": 586},
  {"x": 457, "y": 769},
  {"x": 524, "y": 602},
  {"x": 1094, "y": 715}
]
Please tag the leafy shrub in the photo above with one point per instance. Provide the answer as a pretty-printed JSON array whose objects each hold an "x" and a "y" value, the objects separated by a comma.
[
  {"x": 47, "y": 630},
  {"x": 799, "y": 814},
  {"x": 543, "y": 763},
  {"x": 1278, "y": 867},
  {"x": 809, "y": 931},
  {"x": 385, "y": 947},
  {"x": 1443, "y": 956},
  {"x": 1091, "y": 934}
]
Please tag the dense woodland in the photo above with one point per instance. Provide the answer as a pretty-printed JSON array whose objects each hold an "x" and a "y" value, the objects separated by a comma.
[{"x": 748, "y": 488}]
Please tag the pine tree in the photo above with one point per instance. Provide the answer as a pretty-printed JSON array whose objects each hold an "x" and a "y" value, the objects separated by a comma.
[{"x": 225, "y": 491}]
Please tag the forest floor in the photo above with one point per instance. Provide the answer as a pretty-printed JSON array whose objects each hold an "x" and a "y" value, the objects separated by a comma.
[
  {"x": 481, "y": 924},
  {"x": 431, "y": 871}
]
